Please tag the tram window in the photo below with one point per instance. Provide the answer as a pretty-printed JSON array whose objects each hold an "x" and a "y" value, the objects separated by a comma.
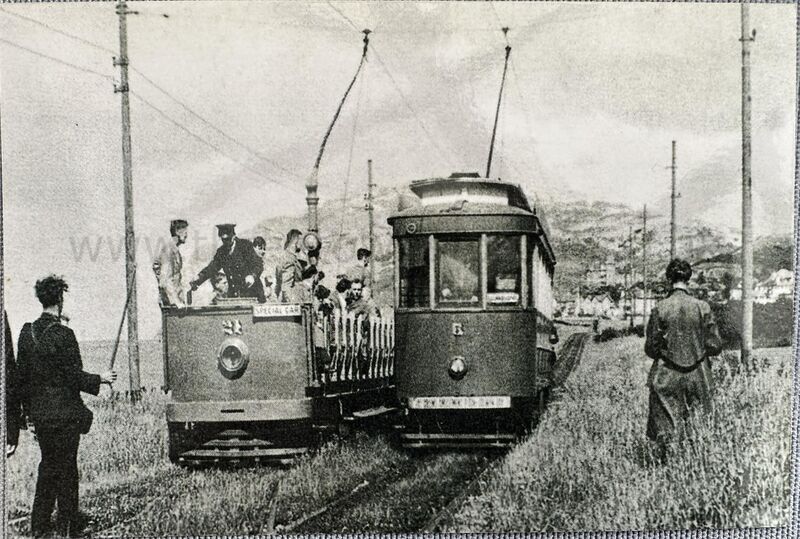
[
  {"x": 414, "y": 272},
  {"x": 458, "y": 272},
  {"x": 503, "y": 269}
]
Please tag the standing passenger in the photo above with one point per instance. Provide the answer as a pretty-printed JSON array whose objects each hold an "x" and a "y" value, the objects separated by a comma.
[
  {"x": 288, "y": 270},
  {"x": 168, "y": 266},
  {"x": 681, "y": 335},
  {"x": 238, "y": 259},
  {"x": 52, "y": 379},
  {"x": 260, "y": 247}
]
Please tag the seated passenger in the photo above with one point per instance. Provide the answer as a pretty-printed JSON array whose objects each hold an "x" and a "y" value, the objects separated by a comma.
[{"x": 220, "y": 284}]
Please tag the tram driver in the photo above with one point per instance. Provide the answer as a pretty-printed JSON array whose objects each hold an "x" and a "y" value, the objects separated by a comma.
[{"x": 237, "y": 257}]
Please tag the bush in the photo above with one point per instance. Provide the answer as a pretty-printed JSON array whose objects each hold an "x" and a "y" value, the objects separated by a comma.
[{"x": 611, "y": 333}]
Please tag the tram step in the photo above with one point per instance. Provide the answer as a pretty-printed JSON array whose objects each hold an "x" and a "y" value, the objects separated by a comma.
[
  {"x": 278, "y": 452},
  {"x": 457, "y": 445},
  {"x": 371, "y": 412},
  {"x": 237, "y": 443},
  {"x": 414, "y": 436}
]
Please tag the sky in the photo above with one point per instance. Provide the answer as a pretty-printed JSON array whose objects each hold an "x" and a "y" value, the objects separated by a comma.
[{"x": 230, "y": 101}]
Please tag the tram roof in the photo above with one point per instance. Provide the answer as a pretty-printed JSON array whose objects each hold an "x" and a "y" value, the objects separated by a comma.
[
  {"x": 430, "y": 186},
  {"x": 443, "y": 196}
]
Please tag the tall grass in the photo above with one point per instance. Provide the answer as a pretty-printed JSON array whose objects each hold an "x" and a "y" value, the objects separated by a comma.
[
  {"x": 589, "y": 465},
  {"x": 127, "y": 442}
]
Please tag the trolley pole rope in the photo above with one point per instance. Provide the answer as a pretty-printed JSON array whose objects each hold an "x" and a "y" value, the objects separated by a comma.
[
  {"x": 499, "y": 99},
  {"x": 122, "y": 320},
  {"x": 311, "y": 186}
]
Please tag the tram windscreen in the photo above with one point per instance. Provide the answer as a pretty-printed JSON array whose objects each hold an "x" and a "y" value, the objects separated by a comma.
[
  {"x": 458, "y": 272},
  {"x": 503, "y": 269},
  {"x": 414, "y": 272}
]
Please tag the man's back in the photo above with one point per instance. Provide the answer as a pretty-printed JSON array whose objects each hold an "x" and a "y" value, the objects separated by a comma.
[{"x": 682, "y": 330}]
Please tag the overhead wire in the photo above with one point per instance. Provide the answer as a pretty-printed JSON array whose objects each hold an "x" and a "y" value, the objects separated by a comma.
[
  {"x": 147, "y": 103},
  {"x": 213, "y": 146},
  {"x": 410, "y": 107},
  {"x": 156, "y": 86},
  {"x": 342, "y": 217},
  {"x": 347, "y": 19},
  {"x": 57, "y": 60},
  {"x": 213, "y": 127},
  {"x": 403, "y": 97},
  {"x": 58, "y": 31}
]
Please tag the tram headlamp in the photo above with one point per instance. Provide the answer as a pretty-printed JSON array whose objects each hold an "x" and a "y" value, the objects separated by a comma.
[
  {"x": 458, "y": 368},
  {"x": 312, "y": 242},
  {"x": 232, "y": 357}
]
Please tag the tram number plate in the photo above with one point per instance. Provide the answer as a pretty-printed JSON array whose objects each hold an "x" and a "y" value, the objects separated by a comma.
[
  {"x": 266, "y": 310},
  {"x": 440, "y": 403}
]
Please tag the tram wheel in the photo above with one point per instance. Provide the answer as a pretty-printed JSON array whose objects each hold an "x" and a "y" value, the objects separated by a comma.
[{"x": 344, "y": 429}]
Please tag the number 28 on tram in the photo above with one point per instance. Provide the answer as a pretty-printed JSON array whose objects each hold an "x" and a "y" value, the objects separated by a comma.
[{"x": 473, "y": 321}]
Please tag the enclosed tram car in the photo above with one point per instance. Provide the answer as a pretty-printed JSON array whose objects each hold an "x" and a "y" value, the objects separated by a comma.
[
  {"x": 261, "y": 381},
  {"x": 473, "y": 313}
]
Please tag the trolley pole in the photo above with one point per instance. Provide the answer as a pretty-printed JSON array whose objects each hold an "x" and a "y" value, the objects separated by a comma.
[
  {"x": 673, "y": 196},
  {"x": 371, "y": 213},
  {"x": 747, "y": 194},
  {"x": 127, "y": 176},
  {"x": 499, "y": 101},
  {"x": 644, "y": 266}
]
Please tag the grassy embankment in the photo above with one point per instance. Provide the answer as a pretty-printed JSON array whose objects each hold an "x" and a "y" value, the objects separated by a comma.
[
  {"x": 129, "y": 487},
  {"x": 587, "y": 466}
]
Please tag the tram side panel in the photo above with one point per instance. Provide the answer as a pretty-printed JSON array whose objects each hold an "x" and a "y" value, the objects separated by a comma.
[{"x": 227, "y": 366}]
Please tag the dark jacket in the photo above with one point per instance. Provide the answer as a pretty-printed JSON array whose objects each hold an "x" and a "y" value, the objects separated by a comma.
[
  {"x": 13, "y": 407},
  {"x": 682, "y": 331},
  {"x": 52, "y": 376},
  {"x": 237, "y": 265}
]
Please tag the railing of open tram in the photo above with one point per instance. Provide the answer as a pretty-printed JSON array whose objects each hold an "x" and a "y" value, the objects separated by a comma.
[{"x": 358, "y": 348}]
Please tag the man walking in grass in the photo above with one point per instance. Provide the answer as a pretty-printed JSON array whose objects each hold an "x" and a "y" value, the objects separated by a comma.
[{"x": 681, "y": 336}]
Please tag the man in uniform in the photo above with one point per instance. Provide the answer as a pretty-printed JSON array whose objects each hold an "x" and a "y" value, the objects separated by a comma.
[
  {"x": 238, "y": 259},
  {"x": 681, "y": 336},
  {"x": 51, "y": 379},
  {"x": 168, "y": 266}
]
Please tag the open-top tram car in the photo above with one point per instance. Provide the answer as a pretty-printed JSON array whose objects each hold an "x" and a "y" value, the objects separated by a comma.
[
  {"x": 260, "y": 382},
  {"x": 473, "y": 305}
]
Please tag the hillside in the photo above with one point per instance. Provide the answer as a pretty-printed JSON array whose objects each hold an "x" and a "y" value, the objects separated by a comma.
[{"x": 584, "y": 233}]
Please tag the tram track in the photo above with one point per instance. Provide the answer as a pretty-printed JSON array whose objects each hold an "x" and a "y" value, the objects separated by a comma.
[{"x": 570, "y": 353}]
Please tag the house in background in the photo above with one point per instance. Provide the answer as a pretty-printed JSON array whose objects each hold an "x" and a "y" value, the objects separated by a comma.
[{"x": 779, "y": 284}]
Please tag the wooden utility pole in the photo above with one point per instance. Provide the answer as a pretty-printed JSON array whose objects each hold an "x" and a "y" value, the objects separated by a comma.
[
  {"x": 631, "y": 298},
  {"x": 644, "y": 266},
  {"x": 673, "y": 196},
  {"x": 127, "y": 177},
  {"x": 371, "y": 213},
  {"x": 747, "y": 194}
]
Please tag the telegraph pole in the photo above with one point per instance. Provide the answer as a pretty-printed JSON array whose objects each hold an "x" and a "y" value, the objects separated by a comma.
[
  {"x": 371, "y": 213},
  {"x": 630, "y": 271},
  {"x": 644, "y": 266},
  {"x": 747, "y": 195},
  {"x": 673, "y": 196},
  {"x": 127, "y": 177}
]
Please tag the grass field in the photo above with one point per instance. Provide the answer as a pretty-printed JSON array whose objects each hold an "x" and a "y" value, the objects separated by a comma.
[
  {"x": 588, "y": 465},
  {"x": 584, "y": 468}
]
